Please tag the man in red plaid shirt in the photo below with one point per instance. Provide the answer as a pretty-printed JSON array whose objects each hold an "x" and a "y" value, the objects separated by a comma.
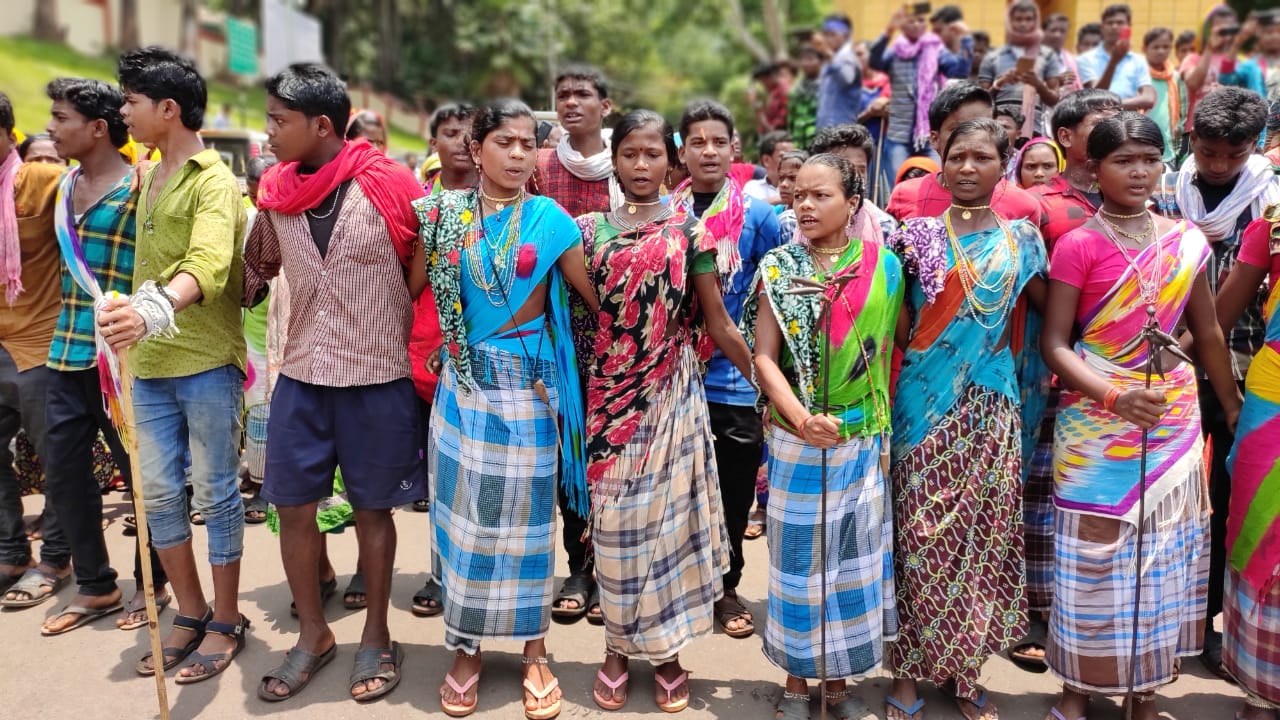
[{"x": 578, "y": 171}]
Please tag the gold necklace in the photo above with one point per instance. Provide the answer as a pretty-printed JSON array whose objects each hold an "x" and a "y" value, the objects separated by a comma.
[
  {"x": 1138, "y": 237},
  {"x": 1122, "y": 217},
  {"x": 831, "y": 251},
  {"x": 970, "y": 278},
  {"x": 500, "y": 203},
  {"x": 968, "y": 209},
  {"x": 632, "y": 205}
]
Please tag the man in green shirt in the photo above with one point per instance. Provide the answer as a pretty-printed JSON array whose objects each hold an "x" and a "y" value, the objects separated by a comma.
[{"x": 184, "y": 316}]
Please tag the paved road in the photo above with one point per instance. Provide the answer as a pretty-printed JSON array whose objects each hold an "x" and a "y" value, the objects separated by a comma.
[{"x": 89, "y": 672}]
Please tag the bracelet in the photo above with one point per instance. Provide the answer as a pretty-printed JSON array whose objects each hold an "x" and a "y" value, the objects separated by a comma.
[
  {"x": 1109, "y": 402},
  {"x": 800, "y": 428}
]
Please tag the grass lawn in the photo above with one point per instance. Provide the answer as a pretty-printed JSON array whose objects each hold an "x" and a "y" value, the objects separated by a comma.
[{"x": 30, "y": 64}]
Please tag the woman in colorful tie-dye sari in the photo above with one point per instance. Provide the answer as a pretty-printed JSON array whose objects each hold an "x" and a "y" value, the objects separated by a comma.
[
  {"x": 1251, "y": 601},
  {"x": 1122, "y": 268}
]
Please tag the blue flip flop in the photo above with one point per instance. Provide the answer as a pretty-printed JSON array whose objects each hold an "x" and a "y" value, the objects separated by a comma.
[{"x": 911, "y": 712}]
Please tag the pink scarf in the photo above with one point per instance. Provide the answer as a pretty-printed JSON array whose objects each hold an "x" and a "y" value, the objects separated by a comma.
[
  {"x": 10, "y": 245},
  {"x": 1030, "y": 44},
  {"x": 925, "y": 51}
]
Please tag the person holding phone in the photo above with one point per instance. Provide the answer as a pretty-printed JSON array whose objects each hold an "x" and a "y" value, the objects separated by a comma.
[
  {"x": 1267, "y": 52},
  {"x": 1112, "y": 66},
  {"x": 918, "y": 63},
  {"x": 1221, "y": 39},
  {"x": 1025, "y": 70}
]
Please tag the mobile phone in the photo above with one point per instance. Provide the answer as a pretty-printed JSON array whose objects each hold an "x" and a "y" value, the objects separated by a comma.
[
  {"x": 1229, "y": 31},
  {"x": 1126, "y": 33},
  {"x": 917, "y": 8},
  {"x": 1025, "y": 64}
]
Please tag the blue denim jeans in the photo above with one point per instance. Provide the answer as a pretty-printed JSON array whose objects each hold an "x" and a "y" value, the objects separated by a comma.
[
  {"x": 200, "y": 412},
  {"x": 897, "y": 153}
]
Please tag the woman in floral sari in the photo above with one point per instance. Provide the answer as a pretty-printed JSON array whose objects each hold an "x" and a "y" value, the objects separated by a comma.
[
  {"x": 845, "y": 425},
  {"x": 957, "y": 431},
  {"x": 658, "y": 525},
  {"x": 508, "y": 406},
  {"x": 1251, "y": 602},
  {"x": 1119, "y": 271}
]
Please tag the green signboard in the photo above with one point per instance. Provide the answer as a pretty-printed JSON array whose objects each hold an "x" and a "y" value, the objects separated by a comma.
[{"x": 242, "y": 47}]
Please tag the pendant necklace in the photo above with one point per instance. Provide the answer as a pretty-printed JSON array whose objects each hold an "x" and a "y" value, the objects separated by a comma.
[
  {"x": 632, "y": 205},
  {"x": 500, "y": 203},
  {"x": 966, "y": 211}
]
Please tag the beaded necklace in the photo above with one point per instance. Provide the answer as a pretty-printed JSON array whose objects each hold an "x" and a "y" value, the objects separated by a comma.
[
  {"x": 1148, "y": 287},
  {"x": 500, "y": 250},
  {"x": 970, "y": 278}
]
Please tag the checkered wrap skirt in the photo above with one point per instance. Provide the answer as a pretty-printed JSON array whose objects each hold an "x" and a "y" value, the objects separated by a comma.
[
  {"x": 1091, "y": 624},
  {"x": 1251, "y": 637},
  {"x": 861, "y": 604},
  {"x": 660, "y": 543},
  {"x": 493, "y": 461}
]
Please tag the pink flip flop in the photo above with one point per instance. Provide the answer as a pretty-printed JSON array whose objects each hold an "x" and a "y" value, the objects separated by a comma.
[
  {"x": 613, "y": 686},
  {"x": 673, "y": 706}
]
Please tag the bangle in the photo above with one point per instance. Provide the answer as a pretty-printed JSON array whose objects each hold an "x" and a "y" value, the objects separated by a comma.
[
  {"x": 1109, "y": 402},
  {"x": 800, "y": 428}
]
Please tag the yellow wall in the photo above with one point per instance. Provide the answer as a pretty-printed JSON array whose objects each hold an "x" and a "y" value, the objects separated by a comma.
[{"x": 869, "y": 19}]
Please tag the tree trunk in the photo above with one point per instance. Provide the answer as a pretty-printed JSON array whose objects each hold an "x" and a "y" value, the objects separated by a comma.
[
  {"x": 46, "y": 22},
  {"x": 190, "y": 20},
  {"x": 129, "y": 25},
  {"x": 773, "y": 25},
  {"x": 739, "y": 21},
  {"x": 388, "y": 46}
]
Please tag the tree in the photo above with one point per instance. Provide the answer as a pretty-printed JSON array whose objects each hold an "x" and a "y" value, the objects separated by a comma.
[
  {"x": 45, "y": 26},
  {"x": 128, "y": 25}
]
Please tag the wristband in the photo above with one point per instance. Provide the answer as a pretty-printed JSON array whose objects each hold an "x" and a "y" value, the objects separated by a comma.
[
  {"x": 1109, "y": 402},
  {"x": 800, "y": 428}
]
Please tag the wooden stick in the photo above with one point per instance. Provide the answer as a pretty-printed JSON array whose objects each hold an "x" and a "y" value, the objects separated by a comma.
[{"x": 144, "y": 533}]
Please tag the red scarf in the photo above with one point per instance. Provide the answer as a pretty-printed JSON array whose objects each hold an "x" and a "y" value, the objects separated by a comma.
[{"x": 390, "y": 186}]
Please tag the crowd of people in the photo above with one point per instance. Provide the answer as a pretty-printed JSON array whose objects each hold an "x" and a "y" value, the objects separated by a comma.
[{"x": 1021, "y": 402}]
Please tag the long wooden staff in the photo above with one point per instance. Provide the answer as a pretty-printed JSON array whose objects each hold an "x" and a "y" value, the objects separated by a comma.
[{"x": 130, "y": 441}]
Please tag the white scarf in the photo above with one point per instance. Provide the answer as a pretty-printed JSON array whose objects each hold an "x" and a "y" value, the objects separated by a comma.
[
  {"x": 592, "y": 169},
  {"x": 1256, "y": 188}
]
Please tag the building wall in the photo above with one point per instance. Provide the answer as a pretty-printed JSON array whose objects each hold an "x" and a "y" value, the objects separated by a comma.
[
  {"x": 92, "y": 27},
  {"x": 870, "y": 19}
]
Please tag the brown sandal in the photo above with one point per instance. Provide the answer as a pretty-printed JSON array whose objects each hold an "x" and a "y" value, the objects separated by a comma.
[{"x": 730, "y": 608}]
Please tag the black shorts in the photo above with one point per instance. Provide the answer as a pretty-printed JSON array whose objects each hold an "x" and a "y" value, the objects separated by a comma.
[{"x": 371, "y": 431}]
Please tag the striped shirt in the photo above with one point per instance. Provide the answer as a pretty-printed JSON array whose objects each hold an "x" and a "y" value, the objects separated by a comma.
[
  {"x": 350, "y": 313},
  {"x": 902, "y": 76},
  {"x": 106, "y": 233}
]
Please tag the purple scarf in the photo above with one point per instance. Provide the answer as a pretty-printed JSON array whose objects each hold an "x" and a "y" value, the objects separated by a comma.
[
  {"x": 925, "y": 51},
  {"x": 10, "y": 247}
]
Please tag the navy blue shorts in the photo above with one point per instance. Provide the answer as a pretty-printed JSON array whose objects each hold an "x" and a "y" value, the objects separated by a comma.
[{"x": 371, "y": 431}]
